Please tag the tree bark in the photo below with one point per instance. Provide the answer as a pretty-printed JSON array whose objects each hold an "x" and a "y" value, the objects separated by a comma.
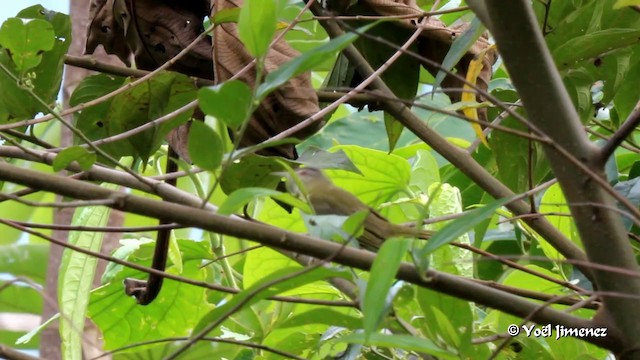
[{"x": 549, "y": 107}]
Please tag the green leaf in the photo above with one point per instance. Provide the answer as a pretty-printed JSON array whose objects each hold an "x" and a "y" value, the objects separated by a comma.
[
  {"x": 362, "y": 128},
  {"x": 382, "y": 177},
  {"x": 230, "y": 102},
  {"x": 406, "y": 342},
  {"x": 318, "y": 158},
  {"x": 30, "y": 298},
  {"x": 324, "y": 316},
  {"x": 226, "y": 16},
  {"x": 626, "y": 97},
  {"x": 26, "y": 40},
  {"x": 424, "y": 172},
  {"x": 394, "y": 130},
  {"x": 77, "y": 271},
  {"x": 243, "y": 196},
  {"x": 205, "y": 146},
  {"x": 259, "y": 291},
  {"x": 459, "y": 48},
  {"x": 622, "y": 3},
  {"x": 160, "y": 95},
  {"x": 174, "y": 312},
  {"x": 251, "y": 171},
  {"x": 455, "y": 229},
  {"x": 306, "y": 62},
  {"x": 92, "y": 120},
  {"x": 451, "y": 327},
  {"x": 553, "y": 201},
  {"x": 594, "y": 44},
  {"x": 84, "y": 157},
  {"x": 257, "y": 25},
  {"x": 19, "y": 260},
  {"x": 401, "y": 76},
  {"x": 44, "y": 79},
  {"x": 446, "y": 200},
  {"x": 377, "y": 302}
]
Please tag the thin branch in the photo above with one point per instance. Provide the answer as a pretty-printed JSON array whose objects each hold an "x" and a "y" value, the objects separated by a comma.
[
  {"x": 13, "y": 354},
  {"x": 629, "y": 146},
  {"x": 416, "y": 15},
  {"x": 620, "y": 135},
  {"x": 212, "y": 339},
  {"x": 105, "y": 229},
  {"x": 57, "y": 205}
]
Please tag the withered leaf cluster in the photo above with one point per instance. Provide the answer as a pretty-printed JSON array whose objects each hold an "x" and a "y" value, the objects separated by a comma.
[{"x": 152, "y": 32}]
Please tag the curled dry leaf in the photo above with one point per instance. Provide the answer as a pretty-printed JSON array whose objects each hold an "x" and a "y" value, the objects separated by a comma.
[{"x": 151, "y": 32}]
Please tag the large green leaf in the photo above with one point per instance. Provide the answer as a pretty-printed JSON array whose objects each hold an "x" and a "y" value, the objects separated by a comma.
[
  {"x": 257, "y": 25},
  {"x": 593, "y": 45},
  {"x": 175, "y": 311},
  {"x": 91, "y": 121},
  {"x": 401, "y": 76},
  {"x": 158, "y": 96},
  {"x": 268, "y": 286},
  {"x": 377, "y": 298},
  {"x": 77, "y": 271},
  {"x": 553, "y": 201},
  {"x": 205, "y": 146},
  {"x": 626, "y": 95},
  {"x": 264, "y": 262},
  {"x": 383, "y": 177},
  {"x": 445, "y": 200},
  {"x": 459, "y": 316},
  {"x": 362, "y": 128},
  {"x": 251, "y": 171},
  {"x": 44, "y": 79},
  {"x": 229, "y": 102},
  {"x": 26, "y": 41},
  {"x": 28, "y": 260}
]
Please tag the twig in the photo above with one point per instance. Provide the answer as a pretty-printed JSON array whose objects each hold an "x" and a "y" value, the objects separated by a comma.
[{"x": 621, "y": 134}]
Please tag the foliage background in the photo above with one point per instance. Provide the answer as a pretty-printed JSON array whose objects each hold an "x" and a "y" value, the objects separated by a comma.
[{"x": 443, "y": 325}]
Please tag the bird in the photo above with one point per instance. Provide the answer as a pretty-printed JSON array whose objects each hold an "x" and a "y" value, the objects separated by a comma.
[{"x": 328, "y": 199}]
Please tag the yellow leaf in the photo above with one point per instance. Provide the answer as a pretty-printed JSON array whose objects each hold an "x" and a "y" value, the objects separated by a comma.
[{"x": 475, "y": 67}]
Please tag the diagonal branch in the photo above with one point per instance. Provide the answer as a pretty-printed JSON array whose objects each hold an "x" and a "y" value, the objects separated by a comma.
[{"x": 459, "y": 158}]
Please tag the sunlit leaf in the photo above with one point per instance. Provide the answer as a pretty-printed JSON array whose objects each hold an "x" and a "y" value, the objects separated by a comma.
[
  {"x": 85, "y": 158},
  {"x": 377, "y": 300}
]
